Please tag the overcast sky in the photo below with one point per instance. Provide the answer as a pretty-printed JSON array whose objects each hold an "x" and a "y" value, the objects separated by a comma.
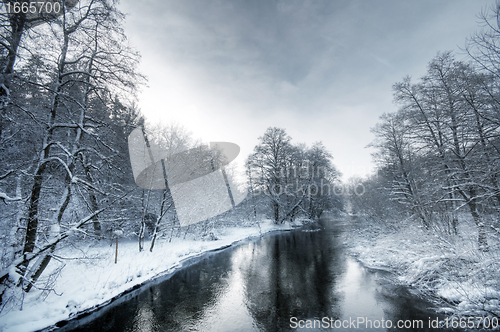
[{"x": 321, "y": 69}]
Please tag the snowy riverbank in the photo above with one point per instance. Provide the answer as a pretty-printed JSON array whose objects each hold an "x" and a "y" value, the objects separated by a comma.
[
  {"x": 89, "y": 277},
  {"x": 447, "y": 270}
]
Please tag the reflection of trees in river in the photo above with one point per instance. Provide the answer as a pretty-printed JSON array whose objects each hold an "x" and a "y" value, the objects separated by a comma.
[
  {"x": 175, "y": 305},
  {"x": 190, "y": 293},
  {"x": 275, "y": 291}
]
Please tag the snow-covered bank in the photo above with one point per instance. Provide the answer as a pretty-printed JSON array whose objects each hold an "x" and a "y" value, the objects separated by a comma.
[
  {"x": 447, "y": 270},
  {"x": 90, "y": 276}
]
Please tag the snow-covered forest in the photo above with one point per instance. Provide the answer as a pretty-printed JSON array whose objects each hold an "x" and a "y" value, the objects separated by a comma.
[
  {"x": 68, "y": 92},
  {"x": 435, "y": 198},
  {"x": 68, "y": 86},
  {"x": 77, "y": 229}
]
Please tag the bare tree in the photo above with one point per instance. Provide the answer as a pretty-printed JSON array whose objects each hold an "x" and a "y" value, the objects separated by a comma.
[{"x": 268, "y": 161}]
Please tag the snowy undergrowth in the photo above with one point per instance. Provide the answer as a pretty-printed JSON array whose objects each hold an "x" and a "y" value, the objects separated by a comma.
[
  {"x": 448, "y": 270},
  {"x": 87, "y": 276}
]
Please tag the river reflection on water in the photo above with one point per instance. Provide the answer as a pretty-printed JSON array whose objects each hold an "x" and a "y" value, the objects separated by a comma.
[{"x": 260, "y": 286}]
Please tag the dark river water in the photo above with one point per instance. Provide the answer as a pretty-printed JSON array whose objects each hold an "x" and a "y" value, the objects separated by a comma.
[{"x": 302, "y": 280}]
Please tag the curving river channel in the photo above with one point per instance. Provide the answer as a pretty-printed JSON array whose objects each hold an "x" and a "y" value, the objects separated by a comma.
[{"x": 301, "y": 280}]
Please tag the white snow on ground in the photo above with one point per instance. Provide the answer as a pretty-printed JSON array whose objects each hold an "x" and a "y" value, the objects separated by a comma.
[
  {"x": 95, "y": 279},
  {"x": 448, "y": 270}
]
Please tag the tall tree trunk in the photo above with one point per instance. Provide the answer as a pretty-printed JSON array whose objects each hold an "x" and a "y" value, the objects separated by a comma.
[
  {"x": 482, "y": 239},
  {"x": 32, "y": 226},
  {"x": 93, "y": 206}
]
